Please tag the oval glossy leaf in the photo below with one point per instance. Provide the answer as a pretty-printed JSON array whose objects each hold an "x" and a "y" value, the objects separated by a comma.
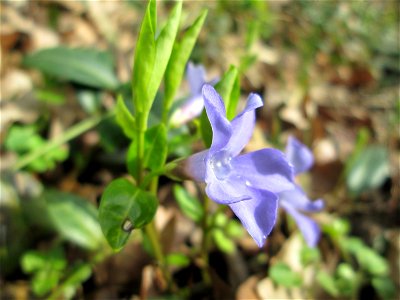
[
  {"x": 74, "y": 218},
  {"x": 124, "y": 207},
  {"x": 85, "y": 66}
]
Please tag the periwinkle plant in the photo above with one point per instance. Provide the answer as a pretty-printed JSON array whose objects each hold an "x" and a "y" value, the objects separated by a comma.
[
  {"x": 248, "y": 183},
  {"x": 253, "y": 184}
]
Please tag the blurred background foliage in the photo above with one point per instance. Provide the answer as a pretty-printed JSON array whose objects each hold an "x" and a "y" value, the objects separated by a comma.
[{"x": 328, "y": 72}]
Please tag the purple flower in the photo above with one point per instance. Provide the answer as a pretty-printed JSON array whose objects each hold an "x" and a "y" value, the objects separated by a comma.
[
  {"x": 196, "y": 75},
  {"x": 248, "y": 183},
  {"x": 295, "y": 201}
]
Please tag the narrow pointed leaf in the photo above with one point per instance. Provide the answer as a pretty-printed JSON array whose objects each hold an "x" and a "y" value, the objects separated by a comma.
[
  {"x": 124, "y": 207},
  {"x": 164, "y": 46},
  {"x": 179, "y": 58},
  {"x": 125, "y": 118},
  {"x": 145, "y": 53},
  {"x": 228, "y": 88}
]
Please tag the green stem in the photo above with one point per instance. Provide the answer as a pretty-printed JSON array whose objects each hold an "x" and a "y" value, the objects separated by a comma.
[
  {"x": 143, "y": 181},
  {"x": 154, "y": 238},
  {"x": 70, "y": 134},
  {"x": 140, "y": 154}
]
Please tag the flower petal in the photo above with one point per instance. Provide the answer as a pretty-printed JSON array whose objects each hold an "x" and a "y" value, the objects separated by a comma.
[
  {"x": 231, "y": 190},
  {"x": 308, "y": 227},
  {"x": 196, "y": 166},
  {"x": 299, "y": 200},
  {"x": 265, "y": 169},
  {"x": 216, "y": 113},
  {"x": 196, "y": 75},
  {"x": 190, "y": 109},
  {"x": 299, "y": 155},
  {"x": 258, "y": 215},
  {"x": 243, "y": 125}
]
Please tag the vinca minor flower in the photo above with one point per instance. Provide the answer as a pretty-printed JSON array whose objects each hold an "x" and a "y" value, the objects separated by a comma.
[
  {"x": 248, "y": 183},
  {"x": 295, "y": 201},
  {"x": 193, "y": 106}
]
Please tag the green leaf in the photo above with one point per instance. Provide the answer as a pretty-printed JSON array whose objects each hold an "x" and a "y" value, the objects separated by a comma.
[
  {"x": 281, "y": 274},
  {"x": 19, "y": 138},
  {"x": 363, "y": 137},
  {"x": 205, "y": 129},
  {"x": 328, "y": 283},
  {"x": 190, "y": 206},
  {"x": 179, "y": 58},
  {"x": 385, "y": 287},
  {"x": 33, "y": 261},
  {"x": 220, "y": 219},
  {"x": 346, "y": 271},
  {"x": 353, "y": 245},
  {"x": 367, "y": 258},
  {"x": 309, "y": 255},
  {"x": 164, "y": 46},
  {"x": 234, "y": 229},
  {"x": 24, "y": 139},
  {"x": 85, "y": 66},
  {"x": 74, "y": 218},
  {"x": 49, "y": 96},
  {"x": 222, "y": 241},
  {"x": 151, "y": 59},
  {"x": 369, "y": 170},
  {"x": 124, "y": 207},
  {"x": 177, "y": 259},
  {"x": 90, "y": 100},
  {"x": 346, "y": 279},
  {"x": 79, "y": 273},
  {"x": 125, "y": 119},
  {"x": 155, "y": 150},
  {"x": 337, "y": 229},
  {"x": 372, "y": 262},
  {"x": 228, "y": 88},
  {"x": 47, "y": 268},
  {"x": 144, "y": 59}
]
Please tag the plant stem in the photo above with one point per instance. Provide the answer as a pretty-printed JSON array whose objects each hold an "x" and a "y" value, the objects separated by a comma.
[
  {"x": 140, "y": 155},
  {"x": 70, "y": 134},
  {"x": 150, "y": 228}
]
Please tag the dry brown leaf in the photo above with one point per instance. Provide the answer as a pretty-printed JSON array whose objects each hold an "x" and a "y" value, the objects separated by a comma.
[
  {"x": 15, "y": 83},
  {"x": 267, "y": 290},
  {"x": 247, "y": 290}
]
